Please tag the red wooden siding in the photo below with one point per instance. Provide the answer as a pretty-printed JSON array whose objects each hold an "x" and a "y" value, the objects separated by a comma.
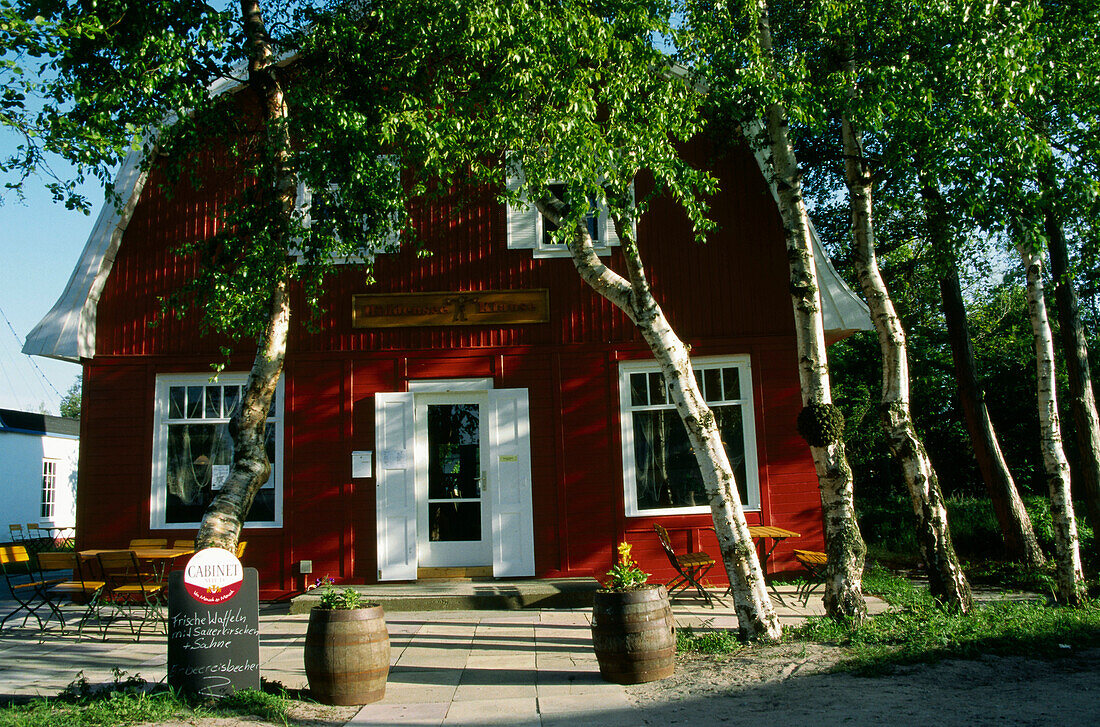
[{"x": 726, "y": 297}]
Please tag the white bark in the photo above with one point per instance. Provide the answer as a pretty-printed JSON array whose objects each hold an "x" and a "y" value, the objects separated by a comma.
[
  {"x": 843, "y": 542},
  {"x": 1067, "y": 554},
  {"x": 755, "y": 615},
  {"x": 222, "y": 522},
  {"x": 946, "y": 578}
]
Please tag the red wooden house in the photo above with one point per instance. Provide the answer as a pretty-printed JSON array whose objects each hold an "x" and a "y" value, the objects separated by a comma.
[{"x": 479, "y": 408}]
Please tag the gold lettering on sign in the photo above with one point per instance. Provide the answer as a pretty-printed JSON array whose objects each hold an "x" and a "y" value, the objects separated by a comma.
[{"x": 456, "y": 308}]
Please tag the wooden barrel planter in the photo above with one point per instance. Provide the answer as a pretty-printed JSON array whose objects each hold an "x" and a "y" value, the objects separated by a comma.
[
  {"x": 347, "y": 655},
  {"x": 633, "y": 634}
]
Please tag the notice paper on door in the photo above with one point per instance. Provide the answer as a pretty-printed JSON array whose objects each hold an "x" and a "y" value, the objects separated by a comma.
[{"x": 394, "y": 459}]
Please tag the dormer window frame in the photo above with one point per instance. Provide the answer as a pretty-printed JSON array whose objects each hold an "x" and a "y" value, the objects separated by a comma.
[{"x": 526, "y": 228}]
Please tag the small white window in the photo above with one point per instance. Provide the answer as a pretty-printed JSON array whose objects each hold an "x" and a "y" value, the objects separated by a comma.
[
  {"x": 660, "y": 474},
  {"x": 311, "y": 210},
  {"x": 193, "y": 450},
  {"x": 49, "y": 488},
  {"x": 529, "y": 230}
]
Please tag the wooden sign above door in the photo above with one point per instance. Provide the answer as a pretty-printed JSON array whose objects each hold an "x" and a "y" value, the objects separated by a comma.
[{"x": 457, "y": 308}]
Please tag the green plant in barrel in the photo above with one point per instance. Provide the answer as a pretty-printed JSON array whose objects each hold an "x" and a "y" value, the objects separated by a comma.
[
  {"x": 347, "y": 651},
  {"x": 632, "y": 631}
]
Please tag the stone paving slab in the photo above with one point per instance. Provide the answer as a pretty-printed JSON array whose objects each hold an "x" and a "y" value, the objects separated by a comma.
[{"x": 448, "y": 668}]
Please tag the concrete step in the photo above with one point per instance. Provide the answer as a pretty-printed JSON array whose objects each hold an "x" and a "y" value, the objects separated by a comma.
[{"x": 475, "y": 594}]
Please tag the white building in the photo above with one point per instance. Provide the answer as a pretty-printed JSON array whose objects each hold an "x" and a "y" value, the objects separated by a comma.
[{"x": 38, "y": 464}]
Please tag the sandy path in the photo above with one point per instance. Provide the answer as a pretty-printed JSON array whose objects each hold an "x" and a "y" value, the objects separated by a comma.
[{"x": 786, "y": 685}]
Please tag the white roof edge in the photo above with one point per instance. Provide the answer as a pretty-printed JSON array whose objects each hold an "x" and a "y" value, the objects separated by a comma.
[
  {"x": 842, "y": 310},
  {"x": 67, "y": 332}
]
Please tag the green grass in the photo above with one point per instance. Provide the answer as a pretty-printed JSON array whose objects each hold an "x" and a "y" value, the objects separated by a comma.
[
  {"x": 917, "y": 630},
  {"x": 130, "y": 701}
]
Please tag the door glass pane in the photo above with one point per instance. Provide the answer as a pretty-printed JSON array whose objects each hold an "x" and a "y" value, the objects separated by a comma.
[
  {"x": 450, "y": 521},
  {"x": 454, "y": 451}
]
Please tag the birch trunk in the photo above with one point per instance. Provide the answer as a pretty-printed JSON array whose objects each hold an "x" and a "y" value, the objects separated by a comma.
[
  {"x": 1075, "y": 351},
  {"x": 1067, "y": 554},
  {"x": 946, "y": 579},
  {"x": 1019, "y": 535},
  {"x": 756, "y": 617},
  {"x": 222, "y": 522},
  {"x": 820, "y": 421}
]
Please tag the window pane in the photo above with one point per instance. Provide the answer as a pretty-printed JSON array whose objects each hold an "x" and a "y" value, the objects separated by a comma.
[
  {"x": 666, "y": 470},
  {"x": 454, "y": 451},
  {"x": 176, "y": 399},
  {"x": 194, "y": 402},
  {"x": 731, "y": 427},
  {"x": 713, "y": 380},
  {"x": 213, "y": 402},
  {"x": 657, "y": 389},
  {"x": 638, "y": 395},
  {"x": 193, "y": 451},
  {"x": 232, "y": 400},
  {"x": 667, "y": 475},
  {"x": 731, "y": 383}
]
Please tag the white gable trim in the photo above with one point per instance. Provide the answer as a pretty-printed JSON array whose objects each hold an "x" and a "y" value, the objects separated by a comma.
[{"x": 67, "y": 332}]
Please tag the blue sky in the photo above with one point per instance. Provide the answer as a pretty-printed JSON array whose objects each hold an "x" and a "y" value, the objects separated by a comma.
[{"x": 40, "y": 242}]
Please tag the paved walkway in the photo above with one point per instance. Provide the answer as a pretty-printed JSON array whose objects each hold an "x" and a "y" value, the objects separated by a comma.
[{"x": 530, "y": 667}]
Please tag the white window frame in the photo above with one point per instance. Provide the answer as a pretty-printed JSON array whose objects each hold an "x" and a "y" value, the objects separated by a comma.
[
  {"x": 48, "y": 504},
  {"x": 748, "y": 426},
  {"x": 303, "y": 204},
  {"x": 525, "y": 227},
  {"x": 159, "y": 488}
]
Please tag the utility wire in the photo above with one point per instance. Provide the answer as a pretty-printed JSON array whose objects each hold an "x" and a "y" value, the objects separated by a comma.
[{"x": 33, "y": 363}]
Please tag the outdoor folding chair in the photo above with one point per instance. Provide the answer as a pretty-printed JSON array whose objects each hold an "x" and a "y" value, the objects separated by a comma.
[
  {"x": 77, "y": 587},
  {"x": 188, "y": 543},
  {"x": 128, "y": 588},
  {"x": 148, "y": 570},
  {"x": 690, "y": 569},
  {"x": 15, "y": 531},
  {"x": 26, "y": 585},
  {"x": 36, "y": 538},
  {"x": 814, "y": 561},
  {"x": 148, "y": 543}
]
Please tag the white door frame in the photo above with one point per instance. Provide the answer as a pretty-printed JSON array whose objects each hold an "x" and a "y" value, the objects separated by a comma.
[
  {"x": 451, "y": 553},
  {"x": 506, "y": 458}
]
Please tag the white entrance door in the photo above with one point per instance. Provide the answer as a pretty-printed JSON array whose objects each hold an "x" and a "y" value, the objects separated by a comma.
[
  {"x": 454, "y": 521},
  {"x": 454, "y": 480}
]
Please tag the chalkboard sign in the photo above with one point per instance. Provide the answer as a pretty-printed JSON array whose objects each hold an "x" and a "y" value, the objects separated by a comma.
[{"x": 213, "y": 649}]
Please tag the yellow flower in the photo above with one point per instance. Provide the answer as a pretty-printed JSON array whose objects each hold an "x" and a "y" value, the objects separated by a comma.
[{"x": 624, "y": 553}]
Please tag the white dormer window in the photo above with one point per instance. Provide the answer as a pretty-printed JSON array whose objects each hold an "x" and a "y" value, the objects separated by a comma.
[
  {"x": 529, "y": 230},
  {"x": 313, "y": 210}
]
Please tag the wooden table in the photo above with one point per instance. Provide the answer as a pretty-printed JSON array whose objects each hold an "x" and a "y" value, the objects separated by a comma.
[
  {"x": 161, "y": 558},
  {"x": 760, "y": 533}
]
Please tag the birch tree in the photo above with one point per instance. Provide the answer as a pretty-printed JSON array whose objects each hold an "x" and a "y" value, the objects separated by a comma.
[
  {"x": 1067, "y": 554},
  {"x": 732, "y": 46}
]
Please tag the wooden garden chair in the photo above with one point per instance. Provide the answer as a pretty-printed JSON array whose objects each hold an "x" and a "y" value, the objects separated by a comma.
[
  {"x": 128, "y": 588},
  {"x": 27, "y": 586},
  {"x": 814, "y": 561},
  {"x": 87, "y": 591},
  {"x": 15, "y": 532},
  {"x": 148, "y": 543},
  {"x": 690, "y": 569}
]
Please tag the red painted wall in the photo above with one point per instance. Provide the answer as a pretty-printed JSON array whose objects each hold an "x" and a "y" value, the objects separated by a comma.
[{"x": 725, "y": 297}]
